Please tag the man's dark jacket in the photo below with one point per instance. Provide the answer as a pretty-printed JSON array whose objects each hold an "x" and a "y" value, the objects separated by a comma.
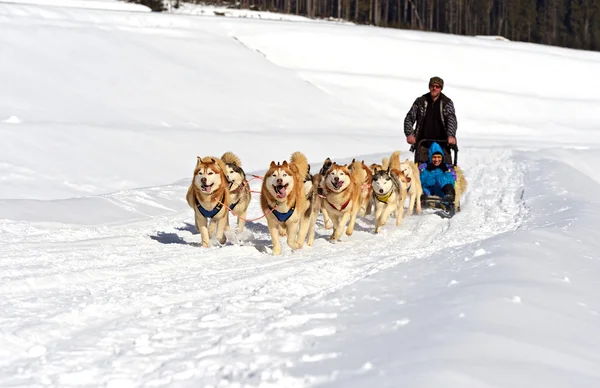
[{"x": 417, "y": 114}]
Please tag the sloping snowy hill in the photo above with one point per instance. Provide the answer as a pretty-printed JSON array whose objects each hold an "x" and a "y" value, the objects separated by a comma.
[{"x": 102, "y": 115}]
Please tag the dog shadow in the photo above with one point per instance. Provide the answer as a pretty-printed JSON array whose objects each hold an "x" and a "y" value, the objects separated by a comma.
[
  {"x": 170, "y": 238},
  {"x": 187, "y": 227}
]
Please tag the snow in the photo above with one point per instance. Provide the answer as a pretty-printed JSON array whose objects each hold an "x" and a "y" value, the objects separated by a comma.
[
  {"x": 103, "y": 279},
  {"x": 113, "y": 5}
]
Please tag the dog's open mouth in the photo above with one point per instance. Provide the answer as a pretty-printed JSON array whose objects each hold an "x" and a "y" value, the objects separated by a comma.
[
  {"x": 206, "y": 188},
  {"x": 337, "y": 184},
  {"x": 280, "y": 190}
]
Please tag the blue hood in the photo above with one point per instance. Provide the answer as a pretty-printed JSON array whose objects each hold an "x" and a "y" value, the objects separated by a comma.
[{"x": 435, "y": 147}]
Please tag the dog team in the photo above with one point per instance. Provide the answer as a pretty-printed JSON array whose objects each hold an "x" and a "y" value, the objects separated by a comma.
[{"x": 291, "y": 197}]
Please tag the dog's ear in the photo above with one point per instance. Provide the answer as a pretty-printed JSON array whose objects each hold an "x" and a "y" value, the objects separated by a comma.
[
  {"x": 198, "y": 160},
  {"x": 284, "y": 164},
  {"x": 213, "y": 160},
  {"x": 272, "y": 165}
]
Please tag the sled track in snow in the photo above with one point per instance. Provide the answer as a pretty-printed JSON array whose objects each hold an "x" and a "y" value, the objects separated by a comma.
[{"x": 90, "y": 304}]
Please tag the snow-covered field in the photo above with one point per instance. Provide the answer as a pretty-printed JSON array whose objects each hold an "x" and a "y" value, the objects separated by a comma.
[{"x": 103, "y": 284}]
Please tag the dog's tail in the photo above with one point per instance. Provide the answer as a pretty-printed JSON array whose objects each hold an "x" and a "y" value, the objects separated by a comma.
[
  {"x": 385, "y": 163},
  {"x": 326, "y": 165},
  {"x": 357, "y": 173},
  {"x": 395, "y": 161},
  {"x": 358, "y": 170},
  {"x": 301, "y": 162},
  {"x": 231, "y": 158}
]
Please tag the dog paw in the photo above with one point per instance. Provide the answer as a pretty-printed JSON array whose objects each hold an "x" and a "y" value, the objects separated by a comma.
[
  {"x": 205, "y": 244},
  {"x": 328, "y": 225},
  {"x": 276, "y": 251}
]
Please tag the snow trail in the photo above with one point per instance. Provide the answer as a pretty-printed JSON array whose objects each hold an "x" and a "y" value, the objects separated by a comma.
[{"x": 102, "y": 298}]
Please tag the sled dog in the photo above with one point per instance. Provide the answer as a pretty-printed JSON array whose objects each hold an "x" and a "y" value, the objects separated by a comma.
[
  {"x": 460, "y": 187},
  {"x": 311, "y": 189},
  {"x": 389, "y": 192},
  {"x": 342, "y": 193},
  {"x": 414, "y": 189},
  {"x": 208, "y": 195},
  {"x": 366, "y": 189},
  {"x": 323, "y": 172},
  {"x": 283, "y": 201},
  {"x": 239, "y": 189}
]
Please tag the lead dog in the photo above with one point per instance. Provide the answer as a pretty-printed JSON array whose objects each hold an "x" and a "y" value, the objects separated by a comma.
[{"x": 208, "y": 195}]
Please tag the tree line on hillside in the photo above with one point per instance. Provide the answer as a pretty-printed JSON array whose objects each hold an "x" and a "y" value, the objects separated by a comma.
[{"x": 566, "y": 23}]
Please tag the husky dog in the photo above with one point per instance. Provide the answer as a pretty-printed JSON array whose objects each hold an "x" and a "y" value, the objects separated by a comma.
[
  {"x": 326, "y": 219},
  {"x": 414, "y": 189},
  {"x": 239, "y": 190},
  {"x": 284, "y": 202},
  {"x": 342, "y": 197},
  {"x": 366, "y": 188},
  {"x": 208, "y": 195},
  {"x": 389, "y": 192},
  {"x": 311, "y": 189},
  {"x": 460, "y": 187}
]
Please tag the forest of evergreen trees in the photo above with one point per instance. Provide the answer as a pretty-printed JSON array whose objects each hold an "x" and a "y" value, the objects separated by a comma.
[{"x": 567, "y": 23}]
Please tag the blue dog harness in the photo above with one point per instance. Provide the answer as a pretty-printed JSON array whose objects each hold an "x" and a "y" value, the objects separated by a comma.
[
  {"x": 282, "y": 217},
  {"x": 214, "y": 211}
]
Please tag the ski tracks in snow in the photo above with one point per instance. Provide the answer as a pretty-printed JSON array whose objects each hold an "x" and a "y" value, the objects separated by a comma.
[{"x": 142, "y": 304}]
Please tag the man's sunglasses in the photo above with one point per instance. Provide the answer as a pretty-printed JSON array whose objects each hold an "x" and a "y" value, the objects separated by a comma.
[{"x": 435, "y": 86}]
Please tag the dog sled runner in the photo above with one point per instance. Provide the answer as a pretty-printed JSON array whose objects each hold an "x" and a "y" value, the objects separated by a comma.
[{"x": 441, "y": 207}]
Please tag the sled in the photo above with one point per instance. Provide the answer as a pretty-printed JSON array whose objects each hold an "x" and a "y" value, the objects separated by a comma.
[{"x": 445, "y": 209}]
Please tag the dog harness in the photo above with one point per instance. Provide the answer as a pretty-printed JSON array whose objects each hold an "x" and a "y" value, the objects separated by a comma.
[
  {"x": 343, "y": 206},
  {"x": 233, "y": 205},
  {"x": 282, "y": 217},
  {"x": 210, "y": 213},
  {"x": 384, "y": 198}
]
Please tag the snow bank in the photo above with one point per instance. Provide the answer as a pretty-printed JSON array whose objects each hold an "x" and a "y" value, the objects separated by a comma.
[{"x": 110, "y": 5}]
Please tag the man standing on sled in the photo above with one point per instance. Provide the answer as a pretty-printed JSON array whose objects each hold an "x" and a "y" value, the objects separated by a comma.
[{"x": 435, "y": 117}]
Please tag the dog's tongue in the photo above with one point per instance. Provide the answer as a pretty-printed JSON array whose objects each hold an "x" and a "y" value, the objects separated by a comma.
[{"x": 281, "y": 192}]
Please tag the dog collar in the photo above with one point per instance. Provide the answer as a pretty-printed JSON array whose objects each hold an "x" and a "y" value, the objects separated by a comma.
[
  {"x": 210, "y": 213},
  {"x": 384, "y": 198}
]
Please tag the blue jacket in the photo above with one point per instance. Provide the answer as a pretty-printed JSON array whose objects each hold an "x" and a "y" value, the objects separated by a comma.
[{"x": 434, "y": 178}]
